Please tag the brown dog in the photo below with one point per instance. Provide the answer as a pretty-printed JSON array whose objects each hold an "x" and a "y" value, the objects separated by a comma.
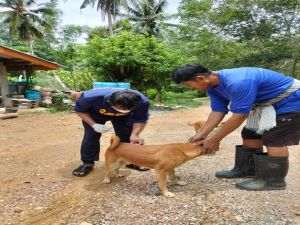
[{"x": 164, "y": 158}]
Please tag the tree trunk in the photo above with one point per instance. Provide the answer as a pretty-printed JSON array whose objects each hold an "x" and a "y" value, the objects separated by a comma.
[
  {"x": 122, "y": 71},
  {"x": 30, "y": 44},
  {"x": 109, "y": 17},
  {"x": 158, "y": 96},
  {"x": 295, "y": 61}
]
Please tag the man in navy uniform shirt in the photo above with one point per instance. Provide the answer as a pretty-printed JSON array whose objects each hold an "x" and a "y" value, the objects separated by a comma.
[
  {"x": 270, "y": 102},
  {"x": 126, "y": 109}
]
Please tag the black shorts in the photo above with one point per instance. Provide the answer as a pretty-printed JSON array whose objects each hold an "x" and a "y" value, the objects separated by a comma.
[{"x": 286, "y": 132}]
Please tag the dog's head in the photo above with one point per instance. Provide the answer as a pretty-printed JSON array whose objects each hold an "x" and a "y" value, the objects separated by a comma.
[
  {"x": 191, "y": 151},
  {"x": 197, "y": 125}
]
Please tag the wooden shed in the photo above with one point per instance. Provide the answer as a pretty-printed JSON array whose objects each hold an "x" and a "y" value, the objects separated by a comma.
[{"x": 13, "y": 60}]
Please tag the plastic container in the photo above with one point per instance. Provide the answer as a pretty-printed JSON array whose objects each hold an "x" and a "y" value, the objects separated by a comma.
[
  {"x": 124, "y": 85},
  {"x": 33, "y": 95},
  {"x": 104, "y": 85},
  {"x": 12, "y": 88},
  {"x": 21, "y": 88},
  {"x": 111, "y": 85}
]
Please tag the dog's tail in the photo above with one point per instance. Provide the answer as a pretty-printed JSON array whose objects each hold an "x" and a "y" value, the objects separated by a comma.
[{"x": 114, "y": 142}]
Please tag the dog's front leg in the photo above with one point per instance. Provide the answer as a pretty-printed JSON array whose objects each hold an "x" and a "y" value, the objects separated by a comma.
[
  {"x": 175, "y": 179},
  {"x": 163, "y": 184}
]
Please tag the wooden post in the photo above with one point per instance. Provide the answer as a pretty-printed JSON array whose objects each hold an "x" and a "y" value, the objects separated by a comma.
[{"x": 3, "y": 84}]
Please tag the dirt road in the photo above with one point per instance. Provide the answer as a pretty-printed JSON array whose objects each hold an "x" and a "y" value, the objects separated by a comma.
[{"x": 39, "y": 151}]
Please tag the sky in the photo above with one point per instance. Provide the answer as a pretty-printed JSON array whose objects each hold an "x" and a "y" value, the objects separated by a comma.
[{"x": 89, "y": 16}]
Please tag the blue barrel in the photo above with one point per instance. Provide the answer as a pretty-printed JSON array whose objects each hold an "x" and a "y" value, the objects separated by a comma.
[
  {"x": 111, "y": 85},
  {"x": 124, "y": 85},
  {"x": 33, "y": 95},
  {"x": 104, "y": 85}
]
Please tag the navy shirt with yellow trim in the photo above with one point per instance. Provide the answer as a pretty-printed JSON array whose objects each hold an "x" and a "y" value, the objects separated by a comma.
[{"x": 95, "y": 102}]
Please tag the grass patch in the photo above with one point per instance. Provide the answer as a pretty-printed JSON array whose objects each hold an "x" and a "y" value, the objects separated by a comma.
[{"x": 189, "y": 99}]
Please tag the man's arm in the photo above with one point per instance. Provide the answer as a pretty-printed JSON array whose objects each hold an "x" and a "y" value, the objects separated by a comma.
[
  {"x": 136, "y": 130},
  {"x": 212, "y": 144},
  {"x": 231, "y": 124},
  {"x": 99, "y": 128},
  {"x": 213, "y": 120},
  {"x": 86, "y": 118}
]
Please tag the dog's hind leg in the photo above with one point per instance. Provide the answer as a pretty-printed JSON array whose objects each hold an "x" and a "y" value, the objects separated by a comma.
[
  {"x": 118, "y": 165},
  {"x": 109, "y": 162},
  {"x": 176, "y": 179},
  {"x": 162, "y": 179}
]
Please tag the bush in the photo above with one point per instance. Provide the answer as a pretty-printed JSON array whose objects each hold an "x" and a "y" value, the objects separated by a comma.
[
  {"x": 145, "y": 62},
  {"x": 186, "y": 99},
  {"x": 77, "y": 81},
  {"x": 151, "y": 93},
  {"x": 177, "y": 88},
  {"x": 61, "y": 101}
]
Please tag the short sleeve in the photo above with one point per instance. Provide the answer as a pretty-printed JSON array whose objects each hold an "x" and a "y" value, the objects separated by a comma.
[
  {"x": 243, "y": 94},
  {"x": 140, "y": 115},
  {"x": 218, "y": 103},
  {"x": 82, "y": 105}
]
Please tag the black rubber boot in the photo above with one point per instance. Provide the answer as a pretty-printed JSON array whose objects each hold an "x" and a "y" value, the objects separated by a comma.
[
  {"x": 270, "y": 173},
  {"x": 244, "y": 163}
]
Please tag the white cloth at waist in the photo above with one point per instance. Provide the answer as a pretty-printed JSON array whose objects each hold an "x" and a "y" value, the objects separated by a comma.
[{"x": 263, "y": 116}]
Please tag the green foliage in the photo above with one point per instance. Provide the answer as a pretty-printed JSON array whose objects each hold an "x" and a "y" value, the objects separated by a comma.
[
  {"x": 258, "y": 19},
  {"x": 60, "y": 102},
  {"x": 77, "y": 80},
  {"x": 71, "y": 33},
  {"x": 215, "y": 33},
  {"x": 26, "y": 19},
  {"x": 58, "y": 98},
  {"x": 151, "y": 93},
  {"x": 106, "y": 7},
  {"x": 148, "y": 16},
  {"x": 143, "y": 61},
  {"x": 186, "y": 99},
  {"x": 178, "y": 88},
  {"x": 232, "y": 33},
  {"x": 101, "y": 32}
]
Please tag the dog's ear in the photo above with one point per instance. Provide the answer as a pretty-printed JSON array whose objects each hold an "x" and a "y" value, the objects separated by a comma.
[
  {"x": 198, "y": 125},
  {"x": 201, "y": 123}
]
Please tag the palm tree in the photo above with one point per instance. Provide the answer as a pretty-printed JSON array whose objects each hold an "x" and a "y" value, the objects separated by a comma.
[
  {"x": 109, "y": 7},
  {"x": 148, "y": 16},
  {"x": 25, "y": 19}
]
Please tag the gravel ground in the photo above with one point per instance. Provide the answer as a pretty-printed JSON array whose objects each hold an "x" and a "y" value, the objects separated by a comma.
[{"x": 39, "y": 151}]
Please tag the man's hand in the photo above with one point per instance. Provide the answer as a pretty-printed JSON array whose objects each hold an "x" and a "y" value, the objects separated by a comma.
[
  {"x": 100, "y": 128},
  {"x": 210, "y": 145},
  {"x": 197, "y": 138},
  {"x": 135, "y": 139}
]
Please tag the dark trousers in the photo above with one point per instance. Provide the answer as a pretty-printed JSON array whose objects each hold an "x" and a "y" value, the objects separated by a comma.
[{"x": 90, "y": 146}]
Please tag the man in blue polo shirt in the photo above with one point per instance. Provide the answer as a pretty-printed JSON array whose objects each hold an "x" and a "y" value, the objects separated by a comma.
[
  {"x": 270, "y": 102},
  {"x": 126, "y": 109}
]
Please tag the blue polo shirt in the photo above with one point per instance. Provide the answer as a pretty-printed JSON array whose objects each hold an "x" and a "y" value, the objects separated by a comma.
[
  {"x": 240, "y": 88},
  {"x": 95, "y": 102}
]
